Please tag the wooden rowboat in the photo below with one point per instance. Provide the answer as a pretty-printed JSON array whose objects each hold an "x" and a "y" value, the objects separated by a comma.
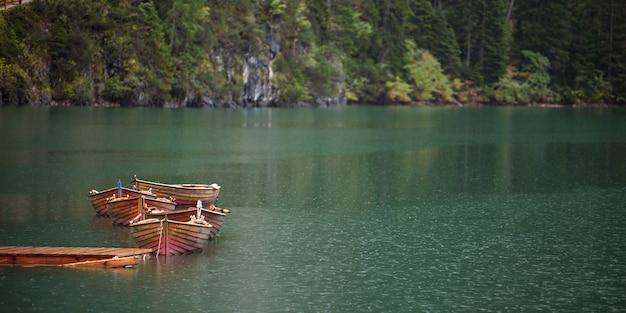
[
  {"x": 99, "y": 199},
  {"x": 176, "y": 215},
  {"x": 169, "y": 237},
  {"x": 215, "y": 216},
  {"x": 124, "y": 210},
  {"x": 184, "y": 194}
]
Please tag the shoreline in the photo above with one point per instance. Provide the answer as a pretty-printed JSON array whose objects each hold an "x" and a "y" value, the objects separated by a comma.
[{"x": 236, "y": 105}]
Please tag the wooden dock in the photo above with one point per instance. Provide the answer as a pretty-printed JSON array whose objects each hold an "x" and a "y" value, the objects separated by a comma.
[
  {"x": 70, "y": 256},
  {"x": 7, "y": 4}
]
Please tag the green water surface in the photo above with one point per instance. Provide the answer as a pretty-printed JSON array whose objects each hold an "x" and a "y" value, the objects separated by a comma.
[{"x": 359, "y": 209}]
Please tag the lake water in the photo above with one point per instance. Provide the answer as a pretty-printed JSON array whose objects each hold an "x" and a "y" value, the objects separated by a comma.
[{"x": 358, "y": 209}]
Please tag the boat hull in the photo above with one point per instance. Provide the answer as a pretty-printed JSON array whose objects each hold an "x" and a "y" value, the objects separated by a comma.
[
  {"x": 124, "y": 210},
  {"x": 184, "y": 194},
  {"x": 99, "y": 199},
  {"x": 215, "y": 218},
  {"x": 168, "y": 237}
]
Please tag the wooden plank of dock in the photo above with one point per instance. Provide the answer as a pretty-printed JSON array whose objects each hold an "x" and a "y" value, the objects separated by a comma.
[
  {"x": 70, "y": 256},
  {"x": 106, "y": 263}
]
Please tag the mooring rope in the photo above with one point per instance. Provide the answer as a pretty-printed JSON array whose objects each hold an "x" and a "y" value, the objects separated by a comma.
[{"x": 160, "y": 237}]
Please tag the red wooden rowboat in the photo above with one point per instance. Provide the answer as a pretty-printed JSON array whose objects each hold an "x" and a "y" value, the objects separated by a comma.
[
  {"x": 169, "y": 237},
  {"x": 99, "y": 199},
  {"x": 184, "y": 195},
  {"x": 124, "y": 210},
  {"x": 215, "y": 216},
  {"x": 183, "y": 215}
]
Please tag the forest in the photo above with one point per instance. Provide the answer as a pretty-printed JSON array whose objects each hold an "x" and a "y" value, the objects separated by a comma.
[{"x": 294, "y": 53}]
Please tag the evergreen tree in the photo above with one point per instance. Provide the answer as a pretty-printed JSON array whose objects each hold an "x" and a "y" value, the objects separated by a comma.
[
  {"x": 531, "y": 85},
  {"x": 586, "y": 81},
  {"x": 545, "y": 26},
  {"x": 608, "y": 31},
  {"x": 495, "y": 41},
  {"x": 465, "y": 18},
  {"x": 447, "y": 49}
]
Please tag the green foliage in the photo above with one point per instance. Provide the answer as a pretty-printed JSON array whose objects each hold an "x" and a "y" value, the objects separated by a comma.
[
  {"x": 530, "y": 85},
  {"x": 354, "y": 87},
  {"x": 9, "y": 45},
  {"x": 276, "y": 8},
  {"x": 426, "y": 74},
  {"x": 447, "y": 50},
  {"x": 398, "y": 91},
  {"x": 187, "y": 26},
  {"x": 466, "y": 91},
  {"x": 291, "y": 87},
  {"x": 537, "y": 67},
  {"x": 509, "y": 89},
  {"x": 592, "y": 88},
  {"x": 495, "y": 42},
  {"x": 323, "y": 73},
  {"x": 11, "y": 83},
  {"x": 297, "y": 33},
  {"x": 117, "y": 90},
  {"x": 174, "y": 51},
  {"x": 365, "y": 82}
]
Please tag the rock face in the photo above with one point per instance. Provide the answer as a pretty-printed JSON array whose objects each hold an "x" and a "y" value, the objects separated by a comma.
[
  {"x": 258, "y": 89},
  {"x": 258, "y": 73}
]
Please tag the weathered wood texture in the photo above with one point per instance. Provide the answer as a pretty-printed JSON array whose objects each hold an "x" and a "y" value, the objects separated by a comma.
[
  {"x": 183, "y": 194},
  {"x": 69, "y": 256},
  {"x": 123, "y": 210},
  {"x": 99, "y": 199},
  {"x": 167, "y": 237},
  {"x": 213, "y": 217}
]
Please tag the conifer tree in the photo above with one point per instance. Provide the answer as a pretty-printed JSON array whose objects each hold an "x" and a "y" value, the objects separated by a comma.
[
  {"x": 447, "y": 48},
  {"x": 495, "y": 41}
]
